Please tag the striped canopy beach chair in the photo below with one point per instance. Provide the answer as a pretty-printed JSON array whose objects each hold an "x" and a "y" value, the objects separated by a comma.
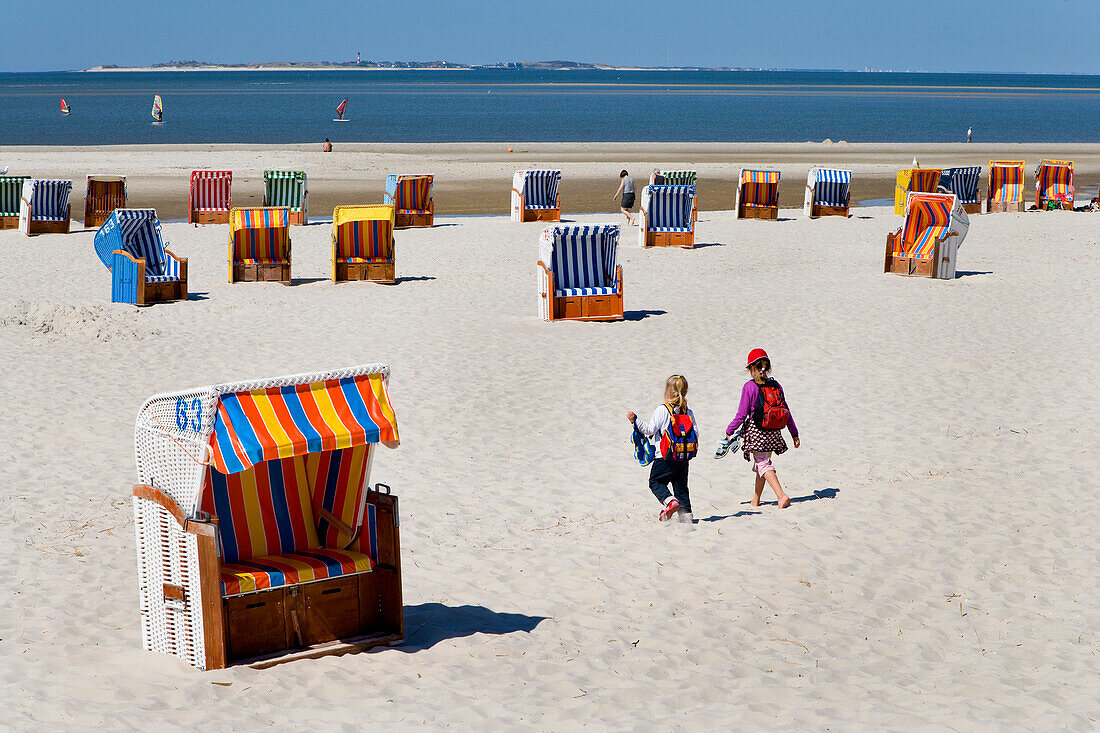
[
  {"x": 668, "y": 216},
  {"x": 535, "y": 196},
  {"x": 259, "y": 245},
  {"x": 362, "y": 243},
  {"x": 963, "y": 182},
  {"x": 11, "y": 194},
  {"x": 287, "y": 189},
  {"x": 129, "y": 243},
  {"x": 580, "y": 278},
  {"x": 103, "y": 195},
  {"x": 210, "y": 198},
  {"x": 411, "y": 199},
  {"x": 677, "y": 178},
  {"x": 758, "y": 194},
  {"x": 44, "y": 207},
  {"x": 257, "y": 533},
  {"x": 827, "y": 193},
  {"x": 927, "y": 243},
  {"x": 1006, "y": 186},
  {"x": 1054, "y": 184},
  {"x": 919, "y": 180}
]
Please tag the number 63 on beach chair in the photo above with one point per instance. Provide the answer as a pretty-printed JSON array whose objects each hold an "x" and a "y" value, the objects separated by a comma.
[{"x": 258, "y": 537}]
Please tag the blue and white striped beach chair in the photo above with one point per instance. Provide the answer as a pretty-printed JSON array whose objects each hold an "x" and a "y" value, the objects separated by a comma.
[
  {"x": 535, "y": 196},
  {"x": 963, "y": 182},
  {"x": 579, "y": 274},
  {"x": 44, "y": 207},
  {"x": 828, "y": 193},
  {"x": 668, "y": 217},
  {"x": 142, "y": 271}
]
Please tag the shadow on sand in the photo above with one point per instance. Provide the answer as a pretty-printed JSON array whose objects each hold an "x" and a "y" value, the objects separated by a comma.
[
  {"x": 968, "y": 273},
  {"x": 430, "y": 623},
  {"x": 639, "y": 315}
]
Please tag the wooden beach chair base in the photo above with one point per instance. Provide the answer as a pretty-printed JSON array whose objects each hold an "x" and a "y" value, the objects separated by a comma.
[
  {"x": 819, "y": 210},
  {"x": 140, "y": 292},
  {"x": 410, "y": 220},
  {"x": 48, "y": 227},
  {"x": 208, "y": 217},
  {"x": 587, "y": 308},
  {"x": 298, "y": 218},
  {"x": 758, "y": 212},
  {"x": 907, "y": 265},
  {"x": 995, "y": 207},
  {"x": 670, "y": 239},
  {"x": 1041, "y": 204},
  {"x": 975, "y": 208},
  {"x": 541, "y": 215},
  {"x": 379, "y": 272},
  {"x": 259, "y": 273},
  {"x": 9, "y": 222}
]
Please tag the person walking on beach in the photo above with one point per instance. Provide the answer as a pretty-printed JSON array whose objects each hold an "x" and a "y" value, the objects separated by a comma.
[
  {"x": 671, "y": 430},
  {"x": 761, "y": 416},
  {"x": 658, "y": 178},
  {"x": 327, "y": 147},
  {"x": 626, "y": 190},
  {"x": 969, "y": 133}
]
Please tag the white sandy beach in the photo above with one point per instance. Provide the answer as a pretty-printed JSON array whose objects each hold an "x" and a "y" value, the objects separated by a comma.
[{"x": 938, "y": 568}]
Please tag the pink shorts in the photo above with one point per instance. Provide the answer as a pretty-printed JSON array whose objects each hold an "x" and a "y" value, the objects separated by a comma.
[{"x": 762, "y": 462}]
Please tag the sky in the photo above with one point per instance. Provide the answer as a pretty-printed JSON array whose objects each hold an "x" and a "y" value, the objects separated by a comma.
[{"x": 1054, "y": 36}]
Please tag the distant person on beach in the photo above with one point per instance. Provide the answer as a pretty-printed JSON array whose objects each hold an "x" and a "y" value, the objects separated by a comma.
[
  {"x": 761, "y": 416},
  {"x": 626, "y": 190},
  {"x": 657, "y": 179},
  {"x": 969, "y": 133},
  {"x": 672, "y": 433},
  {"x": 327, "y": 147}
]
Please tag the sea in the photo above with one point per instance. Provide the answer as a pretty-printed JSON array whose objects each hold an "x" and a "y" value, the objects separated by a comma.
[{"x": 528, "y": 105}]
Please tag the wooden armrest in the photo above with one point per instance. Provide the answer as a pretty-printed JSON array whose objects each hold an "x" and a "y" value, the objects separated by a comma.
[
  {"x": 180, "y": 260},
  {"x": 155, "y": 495},
  {"x": 335, "y": 521},
  {"x": 127, "y": 255}
]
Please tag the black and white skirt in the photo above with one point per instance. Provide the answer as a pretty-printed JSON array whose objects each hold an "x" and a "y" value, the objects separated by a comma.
[{"x": 756, "y": 439}]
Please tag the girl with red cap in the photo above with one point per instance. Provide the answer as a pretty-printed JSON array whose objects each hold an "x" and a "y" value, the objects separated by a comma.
[{"x": 761, "y": 416}]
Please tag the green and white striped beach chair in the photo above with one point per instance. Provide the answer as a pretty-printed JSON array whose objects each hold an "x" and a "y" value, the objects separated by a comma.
[
  {"x": 287, "y": 189},
  {"x": 11, "y": 189}
]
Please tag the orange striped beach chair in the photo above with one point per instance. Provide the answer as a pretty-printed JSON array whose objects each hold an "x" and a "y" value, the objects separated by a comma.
[
  {"x": 210, "y": 198},
  {"x": 103, "y": 195},
  {"x": 259, "y": 539},
  {"x": 1006, "y": 186},
  {"x": 914, "y": 180},
  {"x": 1054, "y": 185},
  {"x": 362, "y": 244},
  {"x": 259, "y": 245},
  {"x": 411, "y": 199},
  {"x": 927, "y": 243},
  {"x": 758, "y": 194}
]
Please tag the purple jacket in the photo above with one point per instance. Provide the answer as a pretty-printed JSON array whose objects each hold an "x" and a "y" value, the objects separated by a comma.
[{"x": 749, "y": 394}]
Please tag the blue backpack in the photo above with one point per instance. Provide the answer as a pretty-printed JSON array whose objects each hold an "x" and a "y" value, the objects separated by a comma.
[{"x": 643, "y": 449}]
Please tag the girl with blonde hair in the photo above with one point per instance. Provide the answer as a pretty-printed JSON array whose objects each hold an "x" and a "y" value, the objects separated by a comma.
[{"x": 672, "y": 432}]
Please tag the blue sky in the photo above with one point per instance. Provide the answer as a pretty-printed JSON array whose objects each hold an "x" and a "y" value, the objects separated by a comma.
[{"x": 1054, "y": 36}]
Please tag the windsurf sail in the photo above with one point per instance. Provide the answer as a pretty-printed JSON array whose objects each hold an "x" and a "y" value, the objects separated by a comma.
[
  {"x": 64, "y": 107},
  {"x": 343, "y": 106},
  {"x": 158, "y": 108}
]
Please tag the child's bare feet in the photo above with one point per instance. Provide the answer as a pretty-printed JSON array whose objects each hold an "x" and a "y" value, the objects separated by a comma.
[
  {"x": 784, "y": 502},
  {"x": 755, "y": 501}
]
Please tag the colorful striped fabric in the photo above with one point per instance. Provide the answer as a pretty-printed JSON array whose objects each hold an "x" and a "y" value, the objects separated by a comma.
[
  {"x": 210, "y": 191},
  {"x": 927, "y": 220},
  {"x": 262, "y": 510},
  {"x": 1054, "y": 180},
  {"x": 668, "y": 208},
  {"x": 831, "y": 187},
  {"x": 274, "y": 571},
  {"x": 260, "y": 236},
  {"x": 540, "y": 189},
  {"x": 338, "y": 489},
  {"x": 280, "y": 422},
  {"x": 1006, "y": 180},
  {"x": 680, "y": 178},
  {"x": 963, "y": 182},
  {"x": 364, "y": 241},
  {"x": 285, "y": 189},
  {"x": 49, "y": 200},
  {"x": 11, "y": 190},
  {"x": 582, "y": 257},
  {"x": 759, "y": 188},
  {"x": 409, "y": 194}
]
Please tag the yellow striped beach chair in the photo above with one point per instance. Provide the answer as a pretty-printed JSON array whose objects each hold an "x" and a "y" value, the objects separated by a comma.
[
  {"x": 914, "y": 180},
  {"x": 1006, "y": 186},
  {"x": 362, "y": 244},
  {"x": 259, "y": 245},
  {"x": 927, "y": 243}
]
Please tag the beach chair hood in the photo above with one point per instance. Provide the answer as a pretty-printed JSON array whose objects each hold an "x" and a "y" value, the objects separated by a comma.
[
  {"x": 136, "y": 231},
  {"x": 963, "y": 182},
  {"x": 826, "y": 187},
  {"x": 409, "y": 193},
  {"x": 932, "y": 215},
  {"x": 11, "y": 190},
  {"x": 583, "y": 259}
]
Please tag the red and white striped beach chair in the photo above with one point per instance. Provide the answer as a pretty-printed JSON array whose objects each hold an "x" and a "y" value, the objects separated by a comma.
[{"x": 210, "y": 198}]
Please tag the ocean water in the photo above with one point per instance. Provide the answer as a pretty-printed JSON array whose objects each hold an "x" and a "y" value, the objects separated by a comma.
[{"x": 501, "y": 105}]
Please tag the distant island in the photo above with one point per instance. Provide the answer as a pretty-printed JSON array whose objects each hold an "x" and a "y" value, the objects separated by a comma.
[{"x": 391, "y": 65}]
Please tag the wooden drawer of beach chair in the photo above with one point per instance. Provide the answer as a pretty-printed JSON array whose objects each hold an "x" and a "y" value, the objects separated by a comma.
[
  {"x": 256, "y": 624},
  {"x": 327, "y": 610}
]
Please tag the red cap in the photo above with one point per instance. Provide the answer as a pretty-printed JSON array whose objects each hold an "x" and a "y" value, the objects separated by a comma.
[{"x": 756, "y": 354}]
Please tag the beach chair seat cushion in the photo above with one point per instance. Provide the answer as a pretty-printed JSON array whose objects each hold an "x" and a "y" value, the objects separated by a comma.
[
  {"x": 579, "y": 292},
  {"x": 274, "y": 571},
  {"x": 161, "y": 278},
  {"x": 926, "y": 222},
  {"x": 363, "y": 260},
  {"x": 259, "y": 261}
]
